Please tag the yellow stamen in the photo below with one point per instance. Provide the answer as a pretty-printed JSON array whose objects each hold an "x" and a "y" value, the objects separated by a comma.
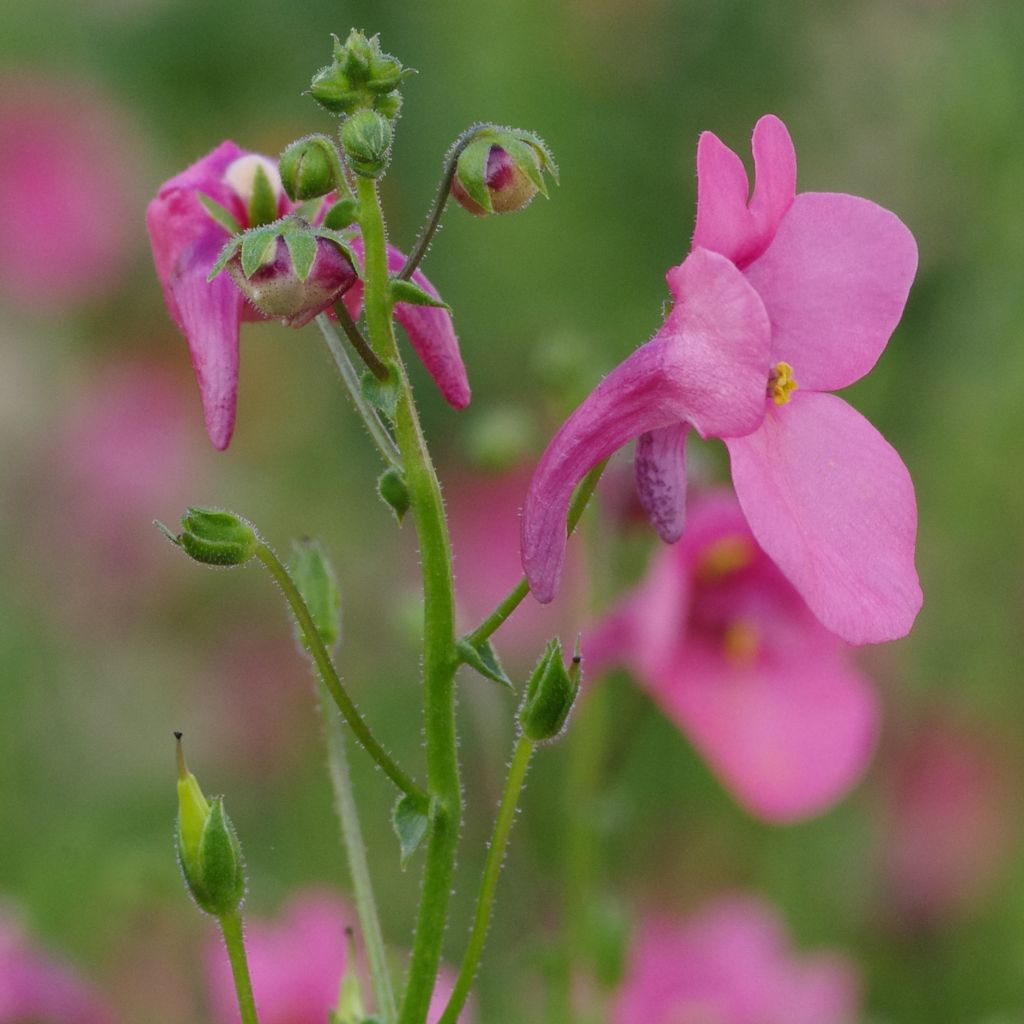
[
  {"x": 741, "y": 642},
  {"x": 726, "y": 556},
  {"x": 781, "y": 383}
]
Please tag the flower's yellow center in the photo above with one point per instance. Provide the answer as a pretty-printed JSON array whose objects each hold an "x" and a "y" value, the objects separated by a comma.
[
  {"x": 741, "y": 642},
  {"x": 727, "y": 555},
  {"x": 781, "y": 383}
]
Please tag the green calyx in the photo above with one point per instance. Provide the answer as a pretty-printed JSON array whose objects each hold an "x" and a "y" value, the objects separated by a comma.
[
  {"x": 550, "y": 695},
  {"x": 361, "y": 77},
  {"x": 501, "y": 170},
  {"x": 366, "y": 140},
  {"x": 310, "y": 168},
  {"x": 215, "y": 537}
]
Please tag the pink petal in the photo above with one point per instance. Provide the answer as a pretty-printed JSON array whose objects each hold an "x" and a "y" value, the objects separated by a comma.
[
  {"x": 725, "y": 223},
  {"x": 430, "y": 330},
  {"x": 834, "y": 280},
  {"x": 660, "y": 468},
  {"x": 706, "y": 366},
  {"x": 832, "y": 504},
  {"x": 789, "y": 732}
]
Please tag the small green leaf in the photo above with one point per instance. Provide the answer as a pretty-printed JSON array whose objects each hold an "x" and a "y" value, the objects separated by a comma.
[
  {"x": 406, "y": 291},
  {"x": 411, "y": 820},
  {"x": 263, "y": 202},
  {"x": 258, "y": 248},
  {"x": 382, "y": 394},
  {"x": 344, "y": 242},
  {"x": 224, "y": 217},
  {"x": 484, "y": 658},
  {"x": 313, "y": 574},
  {"x": 224, "y": 258},
  {"x": 471, "y": 171},
  {"x": 302, "y": 248},
  {"x": 393, "y": 491},
  {"x": 343, "y": 213}
]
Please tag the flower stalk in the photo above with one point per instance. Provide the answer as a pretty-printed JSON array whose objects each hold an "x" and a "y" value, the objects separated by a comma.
[{"x": 231, "y": 929}]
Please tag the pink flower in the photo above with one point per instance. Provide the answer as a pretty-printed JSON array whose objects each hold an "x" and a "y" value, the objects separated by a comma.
[
  {"x": 297, "y": 965},
  {"x": 731, "y": 964},
  {"x": 706, "y": 367},
  {"x": 732, "y": 654},
  {"x": 34, "y": 987},
  {"x": 826, "y": 496},
  {"x": 186, "y": 242},
  {"x": 68, "y": 174}
]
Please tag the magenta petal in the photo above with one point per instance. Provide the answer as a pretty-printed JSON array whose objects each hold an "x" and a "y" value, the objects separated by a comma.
[
  {"x": 660, "y": 468},
  {"x": 831, "y": 502},
  {"x": 834, "y": 280},
  {"x": 789, "y": 732},
  {"x": 775, "y": 174}
]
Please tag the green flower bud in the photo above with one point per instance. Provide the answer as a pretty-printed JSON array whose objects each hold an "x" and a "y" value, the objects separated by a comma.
[
  {"x": 311, "y": 570},
  {"x": 310, "y": 168},
  {"x": 550, "y": 695},
  {"x": 393, "y": 490},
  {"x": 501, "y": 171},
  {"x": 208, "y": 850},
  {"x": 361, "y": 77},
  {"x": 215, "y": 537},
  {"x": 366, "y": 140}
]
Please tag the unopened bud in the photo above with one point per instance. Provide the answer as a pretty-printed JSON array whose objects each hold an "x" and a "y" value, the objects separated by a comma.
[
  {"x": 310, "y": 168},
  {"x": 501, "y": 171},
  {"x": 361, "y": 77},
  {"x": 215, "y": 537},
  {"x": 208, "y": 849},
  {"x": 550, "y": 695},
  {"x": 366, "y": 139}
]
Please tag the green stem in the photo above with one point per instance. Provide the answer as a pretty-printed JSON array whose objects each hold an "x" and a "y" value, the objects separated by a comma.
[
  {"x": 359, "y": 343},
  {"x": 514, "y": 598},
  {"x": 378, "y": 432},
  {"x": 231, "y": 927},
  {"x": 439, "y": 656},
  {"x": 444, "y": 187},
  {"x": 330, "y": 677},
  {"x": 489, "y": 884},
  {"x": 359, "y": 869}
]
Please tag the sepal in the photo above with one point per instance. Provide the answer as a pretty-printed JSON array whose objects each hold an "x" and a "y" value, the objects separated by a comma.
[{"x": 550, "y": 695}]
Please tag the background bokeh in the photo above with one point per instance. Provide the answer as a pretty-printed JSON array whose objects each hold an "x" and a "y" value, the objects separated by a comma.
[{"x": 109, "y": 639}]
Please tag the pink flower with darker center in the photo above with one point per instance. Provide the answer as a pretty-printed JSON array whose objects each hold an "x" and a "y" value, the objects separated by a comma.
[
  {"x": 297, "y": 964},
  {"x": 815, "y": 285},
  {"x": 35, "y": 987},
  {"x": 187, "y": 240},
  {"x": 729, "y": 650},
  {"x": 732, "y": 964}
]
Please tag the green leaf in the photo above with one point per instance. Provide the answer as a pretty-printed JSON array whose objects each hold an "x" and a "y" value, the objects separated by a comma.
[
  {"x": 302, "y": 248},
  {"x": 382, "y": 394},
  {"x": 411, "y": 820},
  {"x": 258, "y": 248},
  {"x": 263, "y": 201},
  {"x": 406, "y": 291},
  {"x": 393, "y": 491},
  {"x": 313, "y": 574},
  {"x": 224, "y": 258},
  {"x": 223, "y": 216},
  {"x": 484, "y": 658},
  {"x": 341, "y": 214},
  {"x": 471, "y": 171}
]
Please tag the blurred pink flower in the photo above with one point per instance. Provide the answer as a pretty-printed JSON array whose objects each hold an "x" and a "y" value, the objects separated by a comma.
[
  {"x": 69, "y": 177},
  {"x": 35, "y": 987},
  {"x": 732, "y": 654},
  {"x": 732, "y": 964},
  {"x": 186, "y": 242},
  {"x": 825, "y": 494},
  {"x": 950, "y": 820},
  {"x": 297, "y": 965}
]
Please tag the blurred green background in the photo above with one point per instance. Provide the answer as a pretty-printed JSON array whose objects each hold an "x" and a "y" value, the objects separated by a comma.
[{"x": 109, "y": 641}]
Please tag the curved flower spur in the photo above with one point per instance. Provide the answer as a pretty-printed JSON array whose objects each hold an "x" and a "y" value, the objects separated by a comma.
[{"x": 825, "y": 495}]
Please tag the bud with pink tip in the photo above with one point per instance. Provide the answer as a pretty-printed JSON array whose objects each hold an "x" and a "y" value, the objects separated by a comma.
[{"x": 501, "y": 170}]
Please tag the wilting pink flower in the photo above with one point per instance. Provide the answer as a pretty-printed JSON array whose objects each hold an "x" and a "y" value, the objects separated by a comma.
[
  {"x": 186, "y": 242},
  {"x": 732, "y": 964},
  {"x": 732, "y": 654},
  {"x": 949, "y": 822},
  {"x": 825, "y": 494},
  {"x": 68, "y": 179},
  {"x": 297, "y": 965},
  {"x": 35, "y": 987},
  {"x": 706, "y": 367}
]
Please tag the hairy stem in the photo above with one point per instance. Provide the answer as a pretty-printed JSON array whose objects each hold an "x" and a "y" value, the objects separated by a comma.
[
  {"x": 439, "y": 657},
  {"x": 489, "y": 884},
  {"x": 231, "y": 928},
  {"x": 330, "y": 677},
  {"x": 359, "y": 869},
  {"x": 359, "y": 343}
]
